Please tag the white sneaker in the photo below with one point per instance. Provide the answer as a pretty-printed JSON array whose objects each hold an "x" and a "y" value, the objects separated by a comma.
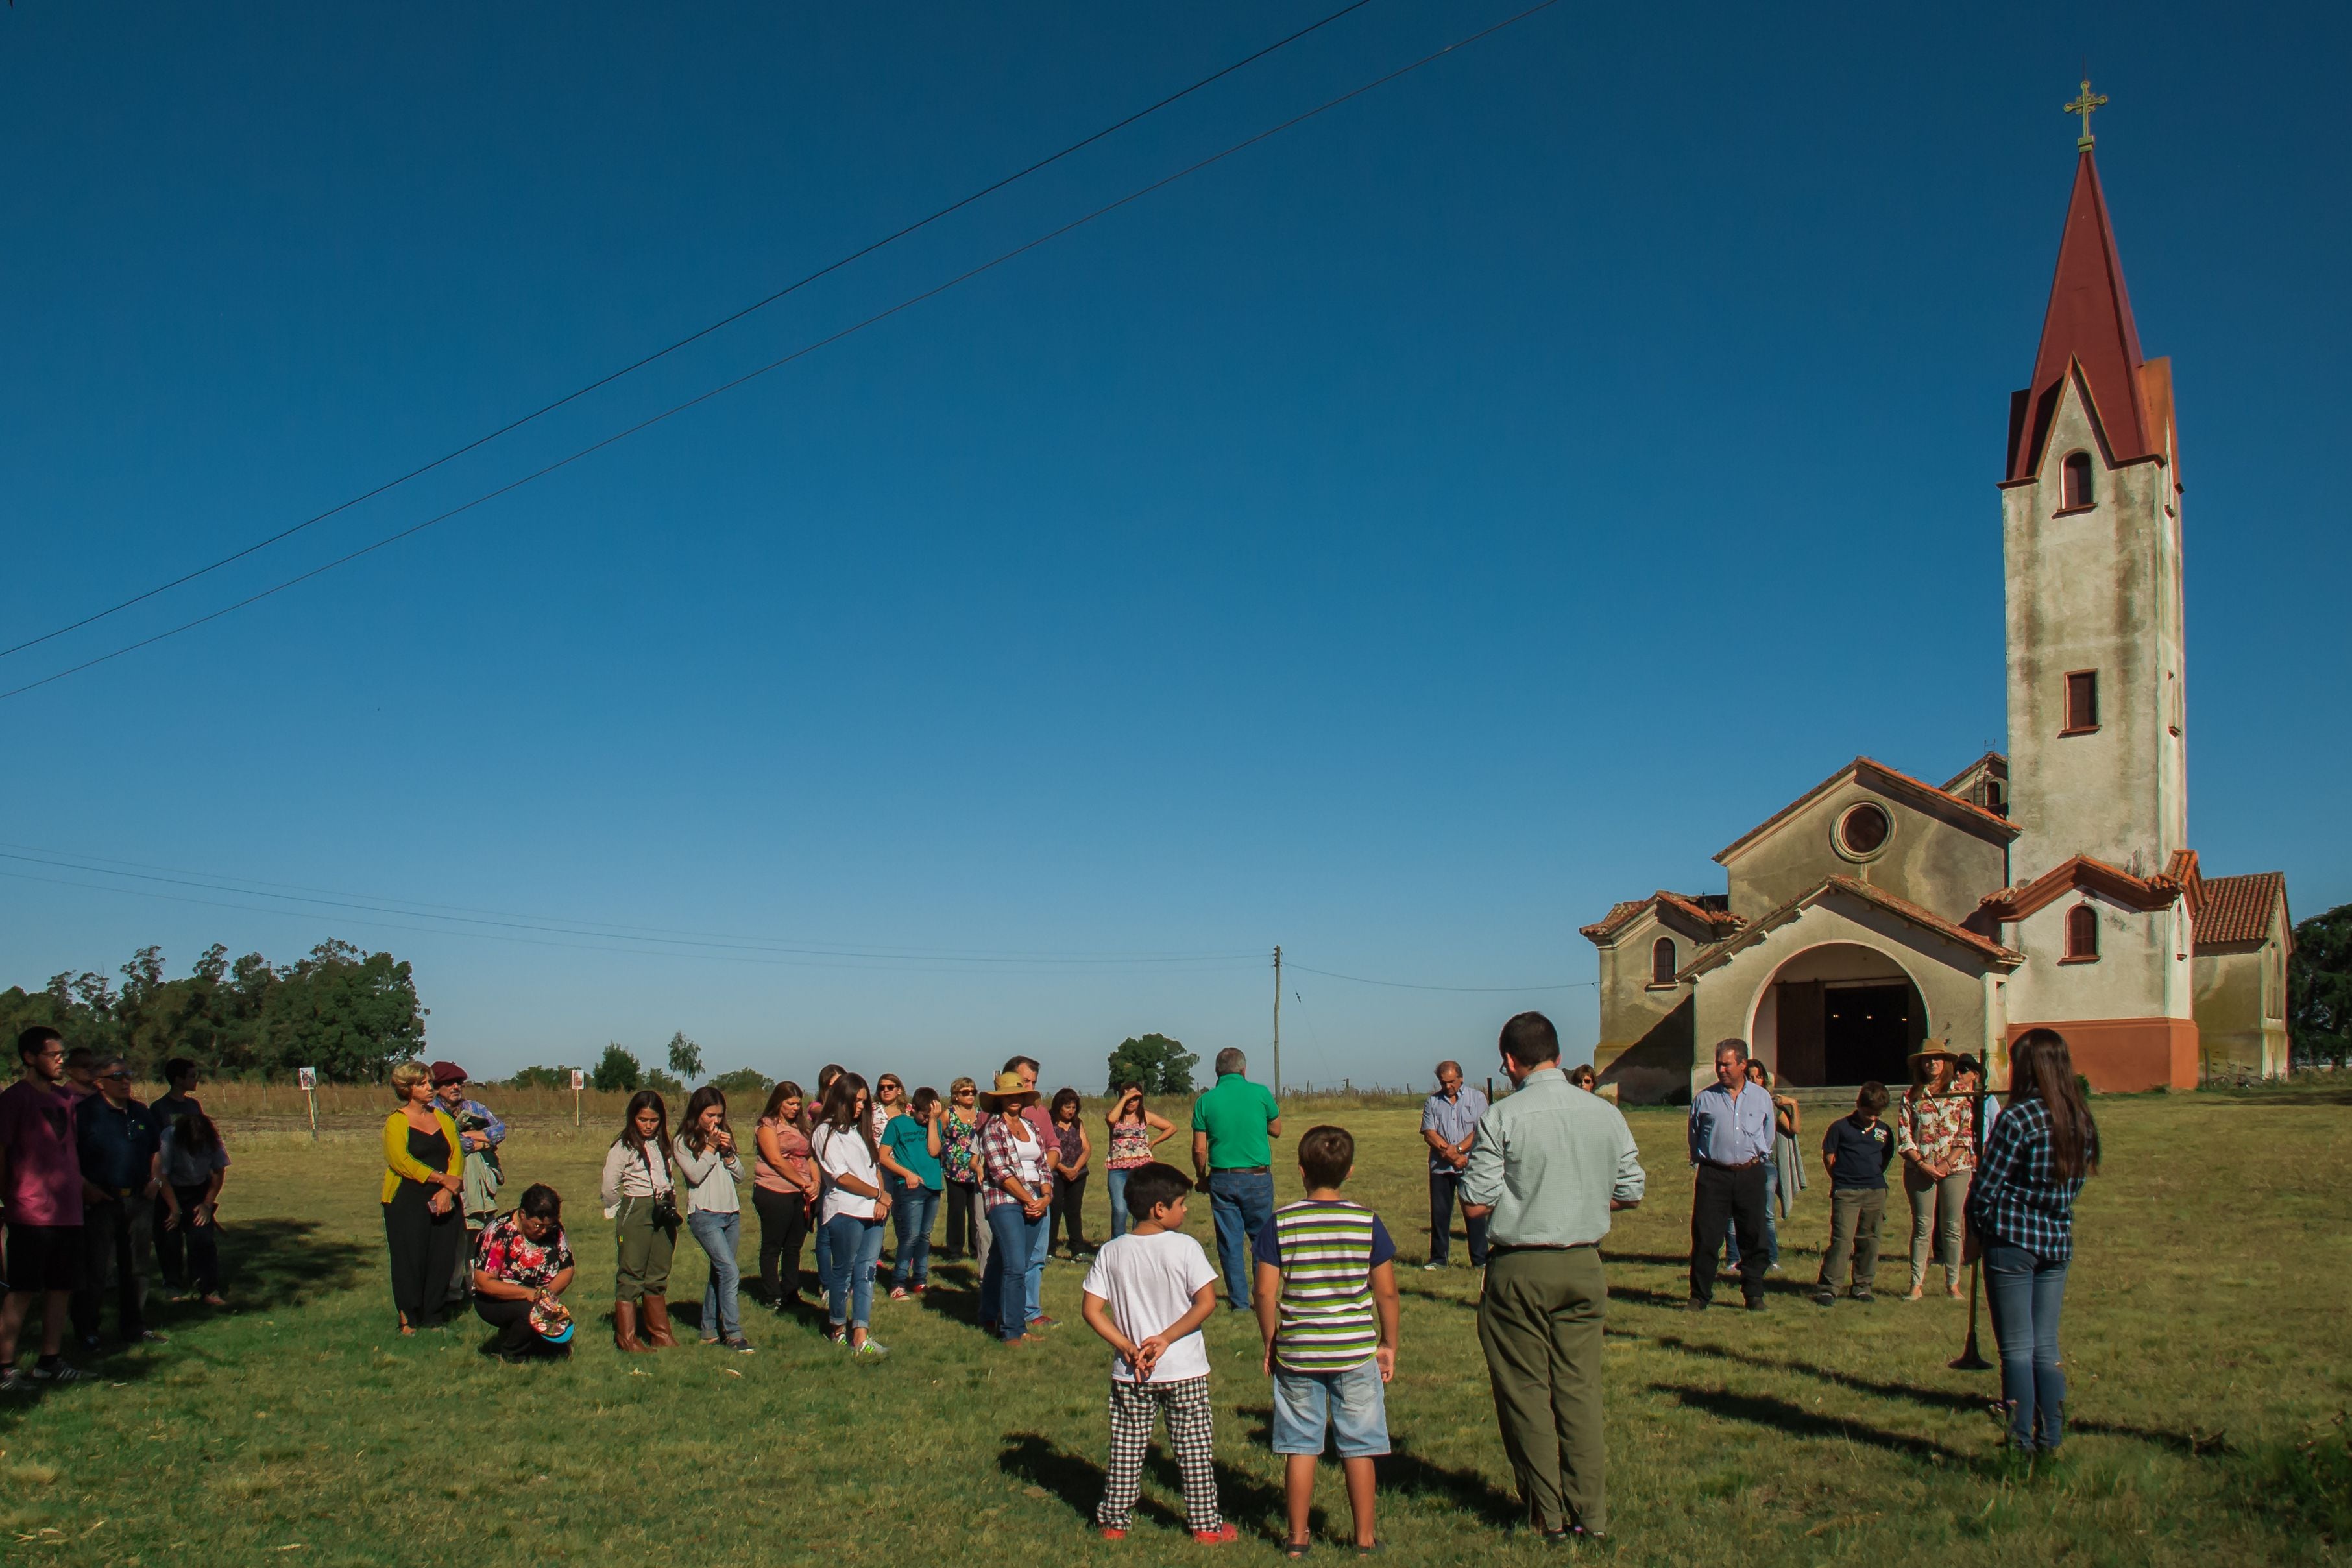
[
  {"x": 1432, "y": 1268},
  {"x": 872, "y": 1350}
]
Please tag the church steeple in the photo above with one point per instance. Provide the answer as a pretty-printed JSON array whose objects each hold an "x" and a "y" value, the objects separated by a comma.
[{"x": 2089, "y": 324}]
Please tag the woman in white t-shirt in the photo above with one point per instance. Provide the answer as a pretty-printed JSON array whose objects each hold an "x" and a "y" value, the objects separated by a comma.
[{"x": 850, "y": 1213}]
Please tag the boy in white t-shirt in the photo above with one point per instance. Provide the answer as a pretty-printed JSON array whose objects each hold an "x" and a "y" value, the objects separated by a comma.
[{"x": 1148, "y": 1293}]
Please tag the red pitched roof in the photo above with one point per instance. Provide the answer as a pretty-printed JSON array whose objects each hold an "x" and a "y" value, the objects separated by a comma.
[
  {"x": 2238, "y": 908},
  {"x": 2089, "y": 324},
  {"x": 2144, "y": 894},
  {"x": 1902, "y": 786},
  {"x": 1711, "y": 912},
  {"x": 1927, "y": 919}
]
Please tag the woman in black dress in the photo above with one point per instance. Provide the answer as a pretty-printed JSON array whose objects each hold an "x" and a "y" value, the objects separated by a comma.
[{"x": 423, "y": 1172}]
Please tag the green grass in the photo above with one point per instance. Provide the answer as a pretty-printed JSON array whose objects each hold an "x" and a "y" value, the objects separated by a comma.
[{"x": 2203, "y": 1336}]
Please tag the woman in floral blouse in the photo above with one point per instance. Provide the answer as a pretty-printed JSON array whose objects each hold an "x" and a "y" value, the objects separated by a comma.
[
  {"x": 1935, "y": 1135},
  {"x": 523, "y": 1267},
  {"x": 959, "y": 1157}
]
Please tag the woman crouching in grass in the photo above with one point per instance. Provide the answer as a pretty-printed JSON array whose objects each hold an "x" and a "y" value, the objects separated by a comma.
[
  {"x": 641, "y": 1199},
  {"x": 524, "y": 1266},
  {"x": 2021, "y": 1222}
]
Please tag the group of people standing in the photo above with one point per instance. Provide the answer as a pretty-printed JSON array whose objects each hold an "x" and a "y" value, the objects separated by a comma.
[{"x": 93, "y": 1184}]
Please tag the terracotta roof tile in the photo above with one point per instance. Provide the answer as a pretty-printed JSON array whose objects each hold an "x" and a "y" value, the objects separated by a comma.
[
  {"x": 1711, "y": 912},
  {"x": 1710, "y": 957},
  {"x": 2238, "y": 908}
]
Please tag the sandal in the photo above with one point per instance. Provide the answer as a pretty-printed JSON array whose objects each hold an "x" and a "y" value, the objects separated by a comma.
[{"x": 1297, "y": 1547}]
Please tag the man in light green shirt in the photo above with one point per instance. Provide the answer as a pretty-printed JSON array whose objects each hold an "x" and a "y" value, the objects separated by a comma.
[{"x": 1550, "y": 1164}]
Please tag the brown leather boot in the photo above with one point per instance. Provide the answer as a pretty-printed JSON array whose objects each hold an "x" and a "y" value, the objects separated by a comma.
[
  {"x": 655, "y": 1312},
  {"x": 625, "y": 1327}
]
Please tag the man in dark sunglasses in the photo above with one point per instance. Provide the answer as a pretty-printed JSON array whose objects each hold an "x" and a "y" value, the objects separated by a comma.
[{"x": 116, "y": 1142}]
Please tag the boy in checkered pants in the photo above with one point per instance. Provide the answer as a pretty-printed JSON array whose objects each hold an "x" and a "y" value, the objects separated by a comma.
[{"x": 1147, "y": 1294}]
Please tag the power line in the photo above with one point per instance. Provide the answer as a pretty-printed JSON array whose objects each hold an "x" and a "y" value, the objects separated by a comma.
[
  {"x": 1409, "y": 986},
  {"x": 801, "y": 353},
  {"x": 695, "y": 337}
]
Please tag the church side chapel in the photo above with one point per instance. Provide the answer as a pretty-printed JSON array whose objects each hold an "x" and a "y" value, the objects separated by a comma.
[{"x": 2051, "y": 885}]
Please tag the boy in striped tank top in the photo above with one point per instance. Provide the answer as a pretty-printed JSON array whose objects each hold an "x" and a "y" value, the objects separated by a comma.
[{"x": 1327, "y": 1305}]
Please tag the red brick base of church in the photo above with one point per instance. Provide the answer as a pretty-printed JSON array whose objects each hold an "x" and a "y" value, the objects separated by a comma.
[{"x": 2125, "y": 1056}]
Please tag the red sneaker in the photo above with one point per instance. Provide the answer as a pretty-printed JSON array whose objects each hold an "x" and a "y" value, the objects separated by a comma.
[
  {"x": 1112, "y": 1532},
  {"x": 1218, "y": 1536}
]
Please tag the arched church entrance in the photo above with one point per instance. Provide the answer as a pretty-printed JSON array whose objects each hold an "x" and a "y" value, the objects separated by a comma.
[{"x": 1841, "y": 1014}]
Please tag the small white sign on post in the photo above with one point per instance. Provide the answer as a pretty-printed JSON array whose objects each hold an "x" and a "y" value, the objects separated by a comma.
[
  {"x": 307, "y": 1080},
  {"x": 579, "y": 1082}
]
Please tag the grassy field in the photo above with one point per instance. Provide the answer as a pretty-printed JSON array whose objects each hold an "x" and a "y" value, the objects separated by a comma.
[{"x": 2204, "y": 1337}]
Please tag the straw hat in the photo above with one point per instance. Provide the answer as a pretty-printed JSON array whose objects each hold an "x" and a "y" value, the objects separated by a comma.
[
  {"x": 1934, "y": 1050},
  {"x": 1007, "y": 1093}
]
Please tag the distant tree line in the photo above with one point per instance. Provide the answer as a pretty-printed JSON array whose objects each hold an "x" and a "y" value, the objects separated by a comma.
[
  {"x": 618, "y": 1070},
  {"x": 347, "y": 1012},
  {"x": 2319, "y": 987}
]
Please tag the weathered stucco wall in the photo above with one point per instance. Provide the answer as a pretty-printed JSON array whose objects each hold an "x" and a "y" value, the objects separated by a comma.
[
  {"x": 1927, "y": 860},
  {"x": 2142, "y": 971},
  {"x": 2095, "y": 589},
  {"x": 1952, "y": 980},
  {"x": 1645, "y": 1030}
]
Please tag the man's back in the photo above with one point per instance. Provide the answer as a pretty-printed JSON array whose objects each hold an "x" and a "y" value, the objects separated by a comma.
[
  {"x": 1550, "y": 1159},
  {"x": 1235, "y": 1115}
]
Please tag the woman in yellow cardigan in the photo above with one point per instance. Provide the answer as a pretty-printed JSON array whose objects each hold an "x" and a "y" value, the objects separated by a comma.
[{"x": 425, "y": 1169}]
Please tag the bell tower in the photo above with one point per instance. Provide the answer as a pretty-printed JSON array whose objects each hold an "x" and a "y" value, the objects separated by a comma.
[
  {"x": 2091, "y": 547},
  {"x": 2101, "y": 874}
]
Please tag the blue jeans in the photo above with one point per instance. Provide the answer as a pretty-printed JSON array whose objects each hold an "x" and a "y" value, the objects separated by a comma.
[
  {"x": 719, "y": 1233},
  {"x": 1118, "y": 1184},
  {"x": 1771, "y": 1226},
  {"x": 1013, "y": 1238},
  {"x": 2024, "y": 1291},
  {"x": 848, "y": 1268},
  {"x": 1034, "y": 1277},
  {"x": 1351, "y": 1407},
  {"x": 912, "y": 1209},
  {"x": 1240, "y": 1202}
]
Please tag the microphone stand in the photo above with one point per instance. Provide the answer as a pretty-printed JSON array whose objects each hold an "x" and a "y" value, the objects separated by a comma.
[{"x": 1971, "y": 1360}]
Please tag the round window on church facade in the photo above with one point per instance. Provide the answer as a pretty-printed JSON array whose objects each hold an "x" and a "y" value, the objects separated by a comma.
[{"x": 1864, "y": 830}]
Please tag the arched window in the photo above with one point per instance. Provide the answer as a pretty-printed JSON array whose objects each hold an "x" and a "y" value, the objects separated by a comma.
[
  {"x": 1662, "y": 961},
  {"x": 2078, "y": 480},
  {"x": 2082, "y": 933}
]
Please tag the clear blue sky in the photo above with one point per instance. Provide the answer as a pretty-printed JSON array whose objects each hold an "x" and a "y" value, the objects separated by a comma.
[{"x": 1400, "y": 541}]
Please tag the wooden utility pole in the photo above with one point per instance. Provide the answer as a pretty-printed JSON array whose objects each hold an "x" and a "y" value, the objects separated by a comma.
[{"x": 1277, "y": 1017}]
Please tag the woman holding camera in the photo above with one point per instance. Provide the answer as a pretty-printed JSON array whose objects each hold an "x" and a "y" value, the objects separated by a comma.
[
  {"x": 641, "y": 1199},
  {"x": 854, "y": 1208},
  {"x": 714, "y": 1212}
]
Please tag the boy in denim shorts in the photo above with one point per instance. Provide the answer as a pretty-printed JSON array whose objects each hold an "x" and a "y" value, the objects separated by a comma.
[{"x": 1327, "y": 1304}]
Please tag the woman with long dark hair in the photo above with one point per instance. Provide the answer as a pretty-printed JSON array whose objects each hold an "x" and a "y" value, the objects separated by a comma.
[
  {"x": 909, "y": 1152},
  {"x": 714, "y": 1212},
  {"x": 2021, "y": 1223},
  {"x": 783, "y": 1189},
  {"x": 852, "y": 1213},
  {"x": 641, "y": 1199},
  {"x": 1072, "y": 1156}
]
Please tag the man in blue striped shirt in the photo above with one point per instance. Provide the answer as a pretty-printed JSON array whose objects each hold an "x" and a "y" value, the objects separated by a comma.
[{"x": 1730, "y": 1139}]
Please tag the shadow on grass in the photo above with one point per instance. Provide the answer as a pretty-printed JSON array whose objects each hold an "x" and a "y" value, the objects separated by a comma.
[
  {"x": 266, "y": 1266},
  {"x": 1762, "y": 1410},
  {"x": 2191, "y": 1444},
  {"x": 1077, "y": 1480},
  {"x": 1401, "y": 1470}
]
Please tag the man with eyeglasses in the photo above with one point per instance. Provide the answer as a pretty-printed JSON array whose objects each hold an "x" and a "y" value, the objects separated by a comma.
[
  {"x": 116, "y": 1142},
  {"x": 40, "y": 1186}
]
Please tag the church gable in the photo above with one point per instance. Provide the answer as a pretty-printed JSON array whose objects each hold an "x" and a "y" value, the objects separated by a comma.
[{"x": 1877, "y": 826}]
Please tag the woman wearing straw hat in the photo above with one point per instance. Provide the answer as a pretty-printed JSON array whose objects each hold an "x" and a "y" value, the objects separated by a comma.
[
  {"x": 1935, "y": 1135},
  {"x": 1014, "y": 1186}
]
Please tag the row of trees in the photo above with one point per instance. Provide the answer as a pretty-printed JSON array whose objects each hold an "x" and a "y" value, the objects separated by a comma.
[
  {"x": 2319, "y": 987},
  {"x": 347, "y": 1012}
]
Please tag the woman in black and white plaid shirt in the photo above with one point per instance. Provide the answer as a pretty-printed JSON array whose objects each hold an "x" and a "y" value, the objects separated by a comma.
[{"x": 2021, "y": 1221}]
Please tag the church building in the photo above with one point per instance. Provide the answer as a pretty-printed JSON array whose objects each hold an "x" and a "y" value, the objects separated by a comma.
[{"x": 2051, "y": 885}]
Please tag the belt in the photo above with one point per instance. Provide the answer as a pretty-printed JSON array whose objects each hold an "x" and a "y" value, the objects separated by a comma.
[
  {"x": 1743, "y": 1165},
  {"x": 1240, "y": 1170},
  {"x": 1509, "y": 1247}
]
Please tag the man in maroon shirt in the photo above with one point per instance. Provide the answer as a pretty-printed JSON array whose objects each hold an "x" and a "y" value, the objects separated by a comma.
[{"x": 40, "y": 1186}]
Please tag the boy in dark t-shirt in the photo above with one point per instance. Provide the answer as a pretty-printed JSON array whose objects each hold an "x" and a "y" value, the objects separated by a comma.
[{"x": 1857, "y": 1150}]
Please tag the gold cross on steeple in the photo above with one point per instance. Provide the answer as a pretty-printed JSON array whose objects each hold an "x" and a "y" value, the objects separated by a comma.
[{"x": 2083, "y": 105}]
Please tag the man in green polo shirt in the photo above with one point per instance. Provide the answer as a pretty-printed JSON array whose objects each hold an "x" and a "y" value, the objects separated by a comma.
[{"x": 1231, "y": 1125}]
